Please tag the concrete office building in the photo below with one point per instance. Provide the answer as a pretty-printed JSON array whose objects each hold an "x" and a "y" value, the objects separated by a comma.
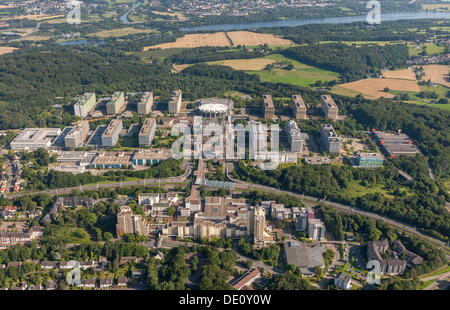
[
  {"x": 176, "y": 99},
  {"x": 256, "y": 223},
  {"x": 76, "y": 135},
  {"x": 147, "y": 132},
  {"x": 316, "y": 229},
  {"x": 329, "y": 107},
  {"x": 329, "y": 138},
  {"x": 269, "y": 108},
  {"x": 296, "y": 138},
  {"x": 298, "y": 107},
  {"x": 84, "y": 105},
  {"x": 145, "y": 105},
  {"x": 111, "y": 134},
  {"x": 116, "y": 103},
  {"x": 35, "y": 138}
]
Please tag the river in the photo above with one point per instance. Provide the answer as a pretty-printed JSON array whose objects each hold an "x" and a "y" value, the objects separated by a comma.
[
  {"x": 329, "y": 20},
  {"x": 124, "y": 18}
]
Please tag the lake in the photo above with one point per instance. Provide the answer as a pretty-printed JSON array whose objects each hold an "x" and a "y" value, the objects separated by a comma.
[{"x": 328, "y": 20}]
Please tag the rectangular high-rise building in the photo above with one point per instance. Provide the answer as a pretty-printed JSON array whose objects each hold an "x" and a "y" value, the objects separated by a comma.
[
  {"x": 298, "y": 107},
  {"x": 84, "y": 105},
  {"x": 147, "y": 132},
  {"x": 112, "y": 132},
  {"x": 76, "y": 135},
  {"x": 329, "y": 107},
  {"x": 296, "y": 138},
  {"x": 329, "y": 138},
  {"x": 116, "y": 103},
  {"x": 269, "y": 108},
  {"x": 316, "y": 229},
  {"x": 175, "y": 102},
  {"x": 145, "y": 105}
]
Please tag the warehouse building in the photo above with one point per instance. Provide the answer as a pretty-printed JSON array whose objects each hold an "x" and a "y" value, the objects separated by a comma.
[
  {"x": 149, "y": 157},
  {"x": 329, "y": 107},
  {"x": 84, "y": 105},
  {"x": 77, "y": 135},
  {"x": 175, "y": 102},
  {"x": 298, "y": 107},
  {"x": 296, "y": 138},
  {"x": 116, "y": 103},
  {"x": 145, "y": 105},
  {"x": 329, "y": 138},
  {"x": 35, "y": 138},
  {"x": 369, "y": 160},
  {"x": 304, "y": 257},
  {"x": 269, "y": 108},
  {"x": 147, "y": 132},
  {"x": 111, "y": 160},
  {"x": 111, "y": 134},
  {"x": 395, "y": 144}
]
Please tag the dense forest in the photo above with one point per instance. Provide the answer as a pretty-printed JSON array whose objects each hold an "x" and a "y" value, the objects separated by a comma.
[{"x": 352, "y": 62}]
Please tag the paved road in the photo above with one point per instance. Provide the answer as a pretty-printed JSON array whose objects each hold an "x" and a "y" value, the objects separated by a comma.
[
  {"x": 442, "y": 281},
  {"x": 312, "y": 201},
  {"x": 61, "y": 191}
]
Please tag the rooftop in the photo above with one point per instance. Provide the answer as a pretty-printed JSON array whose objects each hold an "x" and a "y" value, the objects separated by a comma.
[
  {"x": 112, "y": 127},
  {"x": 147, "y": 127}
]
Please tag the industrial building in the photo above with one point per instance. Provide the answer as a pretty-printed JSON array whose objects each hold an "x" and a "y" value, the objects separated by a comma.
[
  {"x": 77, "y": 135},
  {"x": 296, "y": 138},
  {"x": 304, "y": 257},
  {"x": 111, "y": 160},
  {"x": 329, "y": 107},
  {"x": 395, "y": 144},
  {"x": 149, "y": 157},
  {"x": 329, "y": 138},
  {"x": 84, "y": 105},
  {"x": 35, "y": 138},
  {"x": 111, "y": 134},
  {"x": 370, "y": 160},
  {"x": 144, "y": 106},
  {"x": 147, "y": 132},
  {"x": 269, "y": 108},
  {"x": 176, "y": 99},
  {"x": 298, "y": 107},
  {"x": 115, "y": 105}
]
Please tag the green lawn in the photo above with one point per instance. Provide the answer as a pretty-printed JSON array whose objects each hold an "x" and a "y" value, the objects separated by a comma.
[
  {"x": 431, "y": 49},
  {"x": 301, "y": 75},
  {"x": 438, "y": 272},
  {"x": 413, "y": 98}
]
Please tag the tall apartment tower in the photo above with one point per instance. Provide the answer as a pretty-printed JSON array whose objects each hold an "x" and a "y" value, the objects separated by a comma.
[
  {"x": 84, "y": 105},
  {"x": 175, "y": 102},
  {"x": 329, "y": 138},
  {"x": 316, "y": 229},
  {"x": 298, "y": 107},
  {"x": 269, "y": 108},
  {"x": 145, "y": 105},
  {"x": 147, "y": 132},
  {"x": 112, "y": 132},
  {"x": 76, "y": 135},
  {"x": 329, "y": 107},
  {"x": 256, "y": 222},
  {"x": 296, "y": 138},
  {"x": 116, "y": 103}
]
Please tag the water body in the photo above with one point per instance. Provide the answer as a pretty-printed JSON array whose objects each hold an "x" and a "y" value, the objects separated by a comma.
[
  {"x": 82, "y": 42},
  {"x": 124, "y": 18},
  {"x": 329, "y": 20}
]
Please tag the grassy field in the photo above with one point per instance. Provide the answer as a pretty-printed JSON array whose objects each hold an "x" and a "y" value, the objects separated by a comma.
[
  {"x": 344, "y": 91},
  {"x": 119, "y": 32},
  {"x": 74, "y": 235},
  {"x": 430, "y": 48},
  {"x": 301, "y": 75},
  {"x": 440, "y": 90}
]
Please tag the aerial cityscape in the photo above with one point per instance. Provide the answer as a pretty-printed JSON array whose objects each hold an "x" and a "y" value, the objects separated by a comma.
[{"x": 252, "y": 146}]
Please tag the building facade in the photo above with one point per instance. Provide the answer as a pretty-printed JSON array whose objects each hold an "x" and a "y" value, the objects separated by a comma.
[
  {"x": 329, "y": 139},
  {"x": 77, "y": 135},
  {"x": 85, "y": 104},
  {"x": 298, "y": 107},
  {"x": 147, "y": 132},
  {"x": 112, "y": 132},
  {"x": 329, "y": 107},
  {"x": 144, "y": 106},
  {"x": 269, "y": 108},
  {"x": 176, "y": 99},
  {"x": 116, "y": 103},
  {"x": 296, "y": 138}
]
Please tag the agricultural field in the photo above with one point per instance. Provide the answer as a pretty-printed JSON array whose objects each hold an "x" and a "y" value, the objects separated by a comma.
[
  {"x": 374, "y": 88},
  {"x": 179, "y": 15},
  {"x": 222, "y": 39},
  {"x": 437, "y": 74},
  {"x": 438, "y": 7},
  {"x": 301, "y": 75},
  {"x": 6, "y": 50},
  {"x": 33, "y": 17},
  {"x": 255, "y": 64},
  {"x": 406, "y": 74},
  {"x": 119, "y": 32}
]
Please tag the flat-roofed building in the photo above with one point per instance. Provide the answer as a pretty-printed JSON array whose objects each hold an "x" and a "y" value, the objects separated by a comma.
[
  {"x": 329, "y": 107},
  {"x": 395, "y": 144},
  {"x": 298, "y": 107},
  {"x": 116, "y": 103},
  {"x": 111, "y": 160},
  {"x": 150, "y": 157},
  {"x": 296, "y": 138},
  {"x": 269, "y": 108},
  {"x": 129, "y": 223},
  {"x": 304, "y": 257},
  {"x": 85, "y": 104},
  {"x": 369, "y": 159},
  {"x": 77, "y": 135},
  {"x": 145, "y": 105},
  {"x": 175, "y": 102},
  {"x": 329, "y": 138},
  {"x": 147, "y": 132},
  {"x": 111, "y": 134},
  {"x": 35, "y": 138}
]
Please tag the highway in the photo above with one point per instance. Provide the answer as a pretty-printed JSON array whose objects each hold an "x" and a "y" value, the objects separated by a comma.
[
  {"x": 313, "y": 201},
  {"x": 91, "y": 187}
]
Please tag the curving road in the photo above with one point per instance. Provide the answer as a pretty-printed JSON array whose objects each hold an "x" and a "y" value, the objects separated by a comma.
[{"x": 313, "y": 201}]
